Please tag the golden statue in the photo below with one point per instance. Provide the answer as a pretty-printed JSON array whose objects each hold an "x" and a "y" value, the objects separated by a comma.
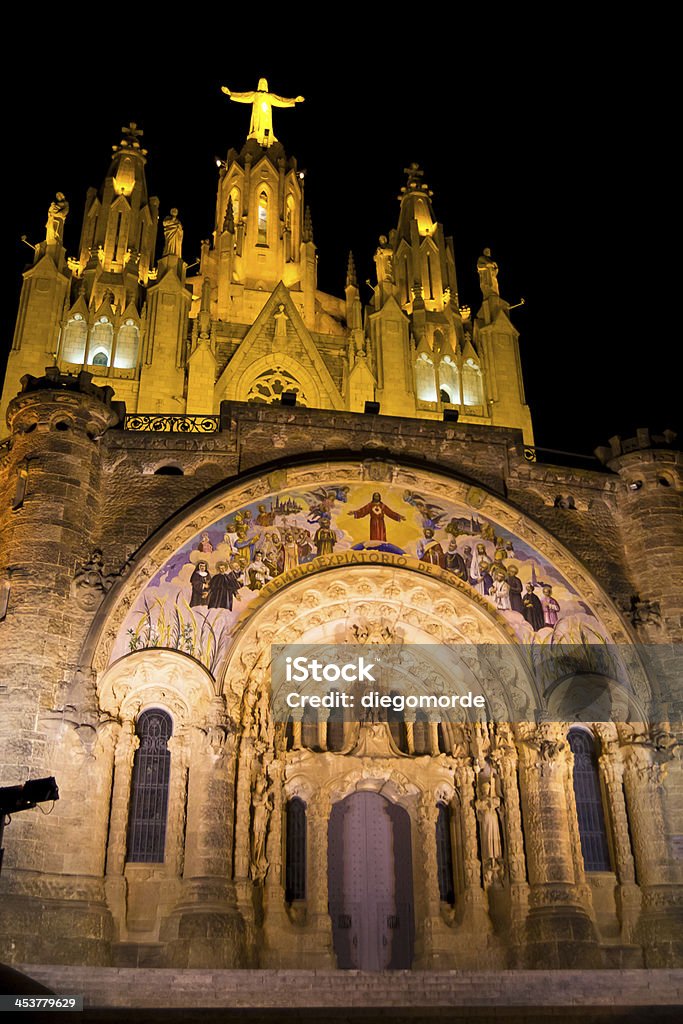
[{"x": 262, "y": 101}]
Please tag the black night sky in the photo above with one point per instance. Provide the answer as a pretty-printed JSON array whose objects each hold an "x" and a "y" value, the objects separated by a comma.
[{"x": 535, "y": 152}]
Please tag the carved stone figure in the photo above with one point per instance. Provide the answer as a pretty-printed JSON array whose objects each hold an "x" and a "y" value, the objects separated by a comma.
[
  {"x": 487, "y": 807},
  {"x": 173, "y": 234},
  {"x": 56, "y": 216},
  {"x": 262, "y": 103},
  {"x": 487, "y": 268},
  {"x": 262, "y": 806}
]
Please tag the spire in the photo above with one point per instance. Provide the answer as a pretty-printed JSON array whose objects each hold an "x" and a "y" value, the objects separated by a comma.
[
  {"x": 262, "y": 103},
  {"x": 308, "y": 225},
  {"x": 229, "y": 219},
  {"x": 351, "y": 280},
  {"x": 205, "y": 310},
  {"x": 119, "y": 227},
  {"x": 415, "y": 198}
]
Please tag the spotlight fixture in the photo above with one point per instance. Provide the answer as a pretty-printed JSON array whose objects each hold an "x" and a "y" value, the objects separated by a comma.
[
  {"x": 451, "y": 415},
  {"x": 23, "y": 798},
  {"x": 372, "y": 408},
  {"x": 288, "y": 398}
]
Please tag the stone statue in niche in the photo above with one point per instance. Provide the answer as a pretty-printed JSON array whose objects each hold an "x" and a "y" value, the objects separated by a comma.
[
  {"x": 262, "y": 806},
  {"x": 488, "y": 809},
  {"x": 56, "y": 216}
]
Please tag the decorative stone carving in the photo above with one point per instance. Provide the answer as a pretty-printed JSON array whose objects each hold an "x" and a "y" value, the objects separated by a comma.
[
  {"x": 56, "y": 217},
  {"x": 262, "y": 806},
  {"x": 90, "y": 582},
  {"x": 488, "y": 807}
]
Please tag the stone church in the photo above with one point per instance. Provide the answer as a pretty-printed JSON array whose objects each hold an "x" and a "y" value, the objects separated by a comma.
[{"x": 198, "y": 468}]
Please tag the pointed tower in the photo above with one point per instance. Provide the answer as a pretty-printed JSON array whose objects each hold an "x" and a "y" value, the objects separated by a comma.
[
  {"x": 428, "y": 355},
  {"x": 497, "y": 339},
  {"x": 417, "y": 333},
  {"x": 260, "y": 236},
  {"x": 44, "y": 295},
  {"x": 119, "y": 227}
]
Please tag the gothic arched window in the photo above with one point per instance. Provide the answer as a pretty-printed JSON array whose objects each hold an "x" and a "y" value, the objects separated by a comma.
[
  {"x": 127, "y": 345},
  {"x": 149, "y": 789},
  {"x": 295, "y": 865},
  {"x": 262, "y": 219},
  {"x": 472, "y": 390},
  {"x": 444, "y": 854},
  {"x": 74, "y": 340},
  {"x": 589, "y": 807},
  {"x": 424, "y": 379},
  {"x": 236, "y": 197},
  {"x": 101, "y": 338},
  {"x": 449, "y": 379}
]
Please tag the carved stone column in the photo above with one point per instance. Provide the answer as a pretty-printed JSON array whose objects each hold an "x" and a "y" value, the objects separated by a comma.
[
  {"x": 276, "y": 923},
  {"x": 628, "y": 896},
  {"x": 504, "y": 756},
  {"x": 206, "y": 930},
  {"x": 559, "y": 930},
  {"x": 433, "y": 937},
  {"x": 115, "y": 886},
  {"x": 321, "y": 954},
  {"x": 472, "y": 915},
  {"x": 660, "y": 928}
]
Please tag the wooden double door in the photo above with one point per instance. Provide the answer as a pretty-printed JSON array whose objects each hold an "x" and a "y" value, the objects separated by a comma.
[{"x": 371, "y": 883}]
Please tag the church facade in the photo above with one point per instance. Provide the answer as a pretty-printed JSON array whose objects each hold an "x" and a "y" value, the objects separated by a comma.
[{"x": 198, "y": 469}]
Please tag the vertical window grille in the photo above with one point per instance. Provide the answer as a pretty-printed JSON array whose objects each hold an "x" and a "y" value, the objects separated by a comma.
[
  {"x": 295, "y": 866},
  {"x": 444, "y": 855},
  {"x": 149, "y": 790},
  {"x": 589, "y": 808}
]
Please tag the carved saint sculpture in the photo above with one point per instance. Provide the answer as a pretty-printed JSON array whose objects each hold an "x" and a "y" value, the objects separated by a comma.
[
  {"x": 262, "y": 103},
  {"x": 173, "y": 234},
  {"x": 487, "y": 268},
  {"x": 56, "y": 215},
  {"x": 262, "y": 806},
  {"x": 489, "y": 833}
]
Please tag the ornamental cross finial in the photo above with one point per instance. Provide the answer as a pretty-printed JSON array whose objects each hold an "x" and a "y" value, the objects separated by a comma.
[
  {"x": 132, "y": 132},
  {"x": 414, "y": 173},
  {"x": 262, "y": 103}
]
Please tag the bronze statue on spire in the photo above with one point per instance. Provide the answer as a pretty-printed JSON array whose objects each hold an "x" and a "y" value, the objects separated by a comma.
[{"x": 262, "y": 101}]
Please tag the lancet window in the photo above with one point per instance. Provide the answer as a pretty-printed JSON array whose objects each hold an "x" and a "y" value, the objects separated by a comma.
[
  {"x": 149, "y": 789},
  {"x": 589, "y": 805},
  {"x": 295, "y": 862}
]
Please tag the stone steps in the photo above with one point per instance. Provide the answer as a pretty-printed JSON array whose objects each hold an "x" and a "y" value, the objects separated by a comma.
[{"x": 109, "y": 987}]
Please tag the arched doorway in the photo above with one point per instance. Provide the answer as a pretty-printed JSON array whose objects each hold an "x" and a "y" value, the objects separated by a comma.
[{"x": 370, "y": 883}]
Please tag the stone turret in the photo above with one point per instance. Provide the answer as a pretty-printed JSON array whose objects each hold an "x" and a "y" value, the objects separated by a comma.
[
  {"x": 55, "y": 577},
  {"x": 650, "y": 504}
]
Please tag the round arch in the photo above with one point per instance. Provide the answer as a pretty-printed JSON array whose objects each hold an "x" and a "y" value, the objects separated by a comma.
[{"x": 404, "y": 484}]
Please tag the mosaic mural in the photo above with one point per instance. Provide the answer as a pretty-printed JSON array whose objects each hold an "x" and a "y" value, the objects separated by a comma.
[{"x": 195, "y": 599}]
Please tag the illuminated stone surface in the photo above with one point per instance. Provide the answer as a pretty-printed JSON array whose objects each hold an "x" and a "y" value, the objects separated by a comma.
[{"x": 103, "y": 530}]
